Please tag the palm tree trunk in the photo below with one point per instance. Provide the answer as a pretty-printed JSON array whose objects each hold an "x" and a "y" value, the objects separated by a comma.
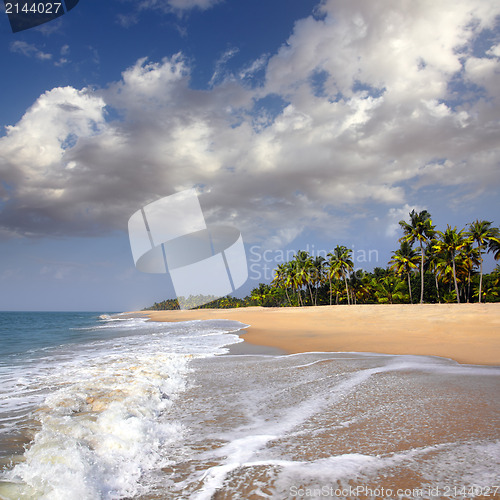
[
  {"x": 437, "y": 287},
  {"x": 330, "y": 281},
  {"x": 299, "y": 297},
  {"x": 480, "y": 277},
  {"x": 421, "y": 274},
  {"x": 287, "y": 296},
  {"x": 409, "y": 288},
  {"x": 310, "y": 293},
  {"x": 455, "y": 280},
  {"x": 347, "y": 290}
]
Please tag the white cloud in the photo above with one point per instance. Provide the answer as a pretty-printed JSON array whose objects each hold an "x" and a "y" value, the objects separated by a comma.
[
  {"x": 178, "y": 5},
  {"x": 127, "y": 20},
  {"x": 190, "y": 4},
  {"x": 256, "y": 66},
  {"x": 29, "y": 50},
  {"x": 394, "y": 215},
  {"x": 220, "y": 71},
  {"x": 395, "y": 119}
]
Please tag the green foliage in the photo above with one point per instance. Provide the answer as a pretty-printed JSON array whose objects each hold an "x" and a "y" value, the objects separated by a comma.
[
  {"x": 192, "y": 301},
  {"x": 445, "y": 266}
]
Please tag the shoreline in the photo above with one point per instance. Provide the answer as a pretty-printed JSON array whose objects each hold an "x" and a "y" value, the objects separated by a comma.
[{"x": 466, "y": 333}]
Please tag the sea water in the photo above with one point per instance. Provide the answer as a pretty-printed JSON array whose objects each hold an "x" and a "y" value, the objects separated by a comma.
[
  {"x": 85, "y": 400},
  {"x": 106, "y": 407}
]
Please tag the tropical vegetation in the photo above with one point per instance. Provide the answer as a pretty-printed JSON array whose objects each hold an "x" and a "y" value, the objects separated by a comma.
[{"x": 436, "y": 266}]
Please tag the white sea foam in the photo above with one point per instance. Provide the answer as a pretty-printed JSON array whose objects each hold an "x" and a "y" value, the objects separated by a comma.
[
  {"x": 103, "y": 410},
  {"x": 117, "y": 410},
  {"x": 277, "y": 410},
  {"x": 243, "y": 450},
  {"x": 108, "y": 423}
]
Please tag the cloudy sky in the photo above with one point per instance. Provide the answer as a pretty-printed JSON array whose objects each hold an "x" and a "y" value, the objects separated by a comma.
[{"x": 303, "y": 123}]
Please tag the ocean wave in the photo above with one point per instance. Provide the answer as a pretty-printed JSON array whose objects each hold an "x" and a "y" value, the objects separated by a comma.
[
  {"x": 100, "y": 409},
  {"x": 103, "y": 428}
]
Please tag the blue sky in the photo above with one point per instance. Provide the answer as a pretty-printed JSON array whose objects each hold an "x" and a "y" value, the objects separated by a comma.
[{"x": 300, "y": 122}]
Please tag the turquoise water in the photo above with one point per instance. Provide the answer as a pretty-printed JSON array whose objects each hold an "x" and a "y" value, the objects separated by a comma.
[{"x": 23, "y": 334}]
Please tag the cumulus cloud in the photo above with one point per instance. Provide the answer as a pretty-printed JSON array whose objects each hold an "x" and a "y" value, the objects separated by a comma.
[{"x": 372, "y": 105}]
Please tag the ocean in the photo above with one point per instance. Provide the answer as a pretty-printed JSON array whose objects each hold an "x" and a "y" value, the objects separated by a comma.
[{"x": 106, "y": 406}]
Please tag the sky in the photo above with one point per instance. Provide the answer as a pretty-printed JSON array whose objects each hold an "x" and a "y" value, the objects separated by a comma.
[{"x": 302, "y": 123}]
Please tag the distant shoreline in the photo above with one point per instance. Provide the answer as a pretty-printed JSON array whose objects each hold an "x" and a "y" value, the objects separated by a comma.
[{"x": 466, "y": 333}]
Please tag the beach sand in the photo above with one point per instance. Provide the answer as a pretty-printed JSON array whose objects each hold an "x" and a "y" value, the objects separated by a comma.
[{"x": 467, "y": 333}]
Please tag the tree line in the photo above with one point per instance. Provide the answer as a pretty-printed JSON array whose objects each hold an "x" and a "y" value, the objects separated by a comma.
[{"x": 429, "y": 266}]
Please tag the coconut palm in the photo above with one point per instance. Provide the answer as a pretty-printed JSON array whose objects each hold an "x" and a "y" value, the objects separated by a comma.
[
  {"x": 467, "y": 260},
  {"x": 404, "y": 262},
  {"x": 294, "y": 278},
  {"x": 482, "y": 234},
  {"x": 450, "y": 243},
  {"x": 260, "y": 293},
  {"x": 492, "y": 285},
  {"x": 331, "y": 274},
  {"x": 282, "y": 279},
  {"x": 318, "y": 275},
  {"x": 360, "y": 286},
  {"x": 494, "y": 246},
  {"x": 436, "y": 263},
  {"x": 340, "y": 264},
  {"x": 388, "y": 288},
  {"x": 419, "y": 229},
  {"x": 305, "y": 272}
]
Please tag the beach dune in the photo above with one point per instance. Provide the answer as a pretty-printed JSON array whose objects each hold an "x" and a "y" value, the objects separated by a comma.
[{"x": 467, "y": 333}]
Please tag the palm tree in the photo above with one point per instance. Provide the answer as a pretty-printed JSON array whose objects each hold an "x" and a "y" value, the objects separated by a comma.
[
  {"x": 294, "y": 278},
  {"x": 304, "y": 265},
  {"x": 492, "y": 288},
  {"x": 420, "y": 229},
  {"x": 360, "y": 285},
  {"x": 260, "y": 293},
  {"x": 467, "y": 260},
  {"x": 388, "y": 288},
  {"x": 494, "y": 246},
  {"x": 340, "y": 264},
  {"x": 451, "y": 242},
  {"x": 436, "y": 263},
  {"x": 404, "y": 261},
  {"x": 282, "y": 279},
  {"x": 318, "y": 275},
  {"x": 331, "y": 273},
  {"x": 482, "y": 234}
]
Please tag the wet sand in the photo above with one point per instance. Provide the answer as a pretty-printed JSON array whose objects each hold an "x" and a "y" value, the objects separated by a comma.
[{"x": 467, "y": 333}]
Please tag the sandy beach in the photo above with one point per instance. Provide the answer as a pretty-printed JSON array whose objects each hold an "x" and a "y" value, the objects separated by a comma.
[{"x": 467, "y": 333}]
